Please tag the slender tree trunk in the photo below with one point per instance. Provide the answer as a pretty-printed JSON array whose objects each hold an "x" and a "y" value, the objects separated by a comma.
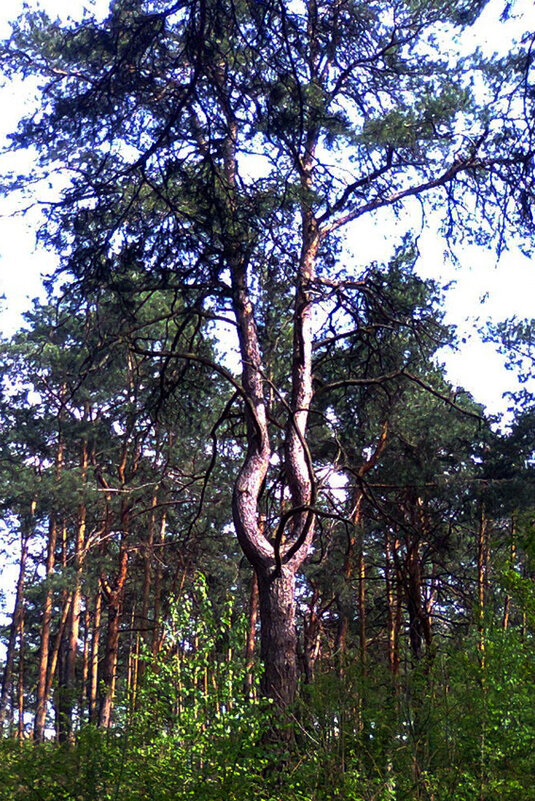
[
  {"x": 395, "y": 605},
  {"x": 347, "y": 572},
  {"x": 482, "y": 571},
  {"x": 17, "y": 620},
  {"x": 109, "y": 667},
  {"x": 355, "y": 534},
  {"x": 482, "y": 574},
  {"x": 68, "y": 690},
  {"x": 512, "y": 560},
  {"x": 61, "y": 661},
  {"x": 20, "y": 685},
  {"x": 419, "y": 621},
  {"x": 83, "y": 701},
  {"x": 41, "y": 692},
  {"x": 362, "y": 606},
  {"x": 157, "y": 593},
  {"x": 251, "y": 636},
  {"x": 61, "y": 707},
  {"x": 340, "y": 644},
  {"x": 114, "y": 597},
  {"x": 54, "y": 655},
  {"x": 142, "y": 625},
  {"x": 93, "y": 669},
  {"x": 311, "y": 638},
  {"x": 132, "y": 657}
]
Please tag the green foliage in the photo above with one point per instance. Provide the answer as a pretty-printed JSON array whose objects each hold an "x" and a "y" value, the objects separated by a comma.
[{"x": 451, "y": 728}]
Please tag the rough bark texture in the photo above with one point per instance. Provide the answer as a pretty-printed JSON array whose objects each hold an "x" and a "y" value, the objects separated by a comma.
[{"x": 278, "y": 638}]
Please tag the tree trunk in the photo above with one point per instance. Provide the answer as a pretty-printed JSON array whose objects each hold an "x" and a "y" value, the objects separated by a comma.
[
  {"x": 278, "y": 636},
  {"x": 20, "y": 684},
  {"x": 41, "y": 692},
  {"x": 114, "y": 598},
  {"x": 512, "y": 560},
  {"x": 276, "y": 560},
  {"x": 482, "y": 572},
  {"x": 109, "y": 667},
  {"x": 17, "y": 621},
  {"x": 74, "y": 619},
  {"x": 54, "y": 655},
  {"x": 362, "y": 606},
  {"x": 311, "y": 638},
  {"x": 251, "y": 636},
  {"x": 394, "y": 607},
  {"x": 93, "y": 670},
  {"x": 355, "y": 533},
  {"x": 157, "y": 593},
  {"x": 482, "y": 578},
  {"x": 142, "y": 621},
  {"x": 68, "y": 690},
  {"x": 84, "y": 684},
  {"x": 419, "y": 622}
]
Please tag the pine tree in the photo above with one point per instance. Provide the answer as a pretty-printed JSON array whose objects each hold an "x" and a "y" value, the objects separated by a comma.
[{"x": 220, "y": 149}]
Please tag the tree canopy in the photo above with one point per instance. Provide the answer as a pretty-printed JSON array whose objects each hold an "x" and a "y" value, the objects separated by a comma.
[{"x": 212, "y": 361}]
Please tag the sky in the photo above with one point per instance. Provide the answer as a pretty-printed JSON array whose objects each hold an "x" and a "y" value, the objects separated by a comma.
[{"x": 482, "y": 289}]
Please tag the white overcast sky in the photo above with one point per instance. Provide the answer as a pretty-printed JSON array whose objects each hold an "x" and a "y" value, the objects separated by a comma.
[{"x": 483, "y": 289}]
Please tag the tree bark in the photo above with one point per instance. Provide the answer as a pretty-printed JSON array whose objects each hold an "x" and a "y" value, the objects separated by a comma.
[
  {"x": 394, "y": 607},
  {"x": 482, "y": 574},
  {"x": 54, "y": 655},
  {"x": 114, "y": 597},
  {"x": 41, "y": 692},
  {"x": 512, "y": 560},
  {"x": 93, "y": 669},
  {"x": 157, "y": 593},
  {"x": 17, "y": 620},
  {"x": 84, "y": 684},
  {"x": 311, "y": 637},
  {"x": 20, "y": 684},
  {"x": 251, "y": 636},
  {"x": 277, "y": 559},
  {"x": 278, "y": 636}
]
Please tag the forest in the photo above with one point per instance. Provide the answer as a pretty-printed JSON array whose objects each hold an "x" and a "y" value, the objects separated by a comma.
[{"x": 264, "y": 549}]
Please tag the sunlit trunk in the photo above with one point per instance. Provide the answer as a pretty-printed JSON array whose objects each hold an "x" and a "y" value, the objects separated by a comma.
[{"x": 93, "y": 664}]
